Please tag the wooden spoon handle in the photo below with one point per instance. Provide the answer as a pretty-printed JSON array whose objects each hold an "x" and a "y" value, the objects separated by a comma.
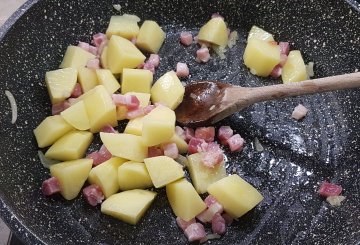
[{"x": 318, "y": 85}]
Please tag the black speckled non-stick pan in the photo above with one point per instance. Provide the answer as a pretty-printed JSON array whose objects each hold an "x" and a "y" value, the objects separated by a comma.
[{"x": 298, "y": 156}]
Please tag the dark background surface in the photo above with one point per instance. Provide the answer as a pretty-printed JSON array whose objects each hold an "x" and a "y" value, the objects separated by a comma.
[{"x": 298, "y": 156}]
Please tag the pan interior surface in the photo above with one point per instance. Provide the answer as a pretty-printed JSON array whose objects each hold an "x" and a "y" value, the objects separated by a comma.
[{"x": 297, "y": 156}]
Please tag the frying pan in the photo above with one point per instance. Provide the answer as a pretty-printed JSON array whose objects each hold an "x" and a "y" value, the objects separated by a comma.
[{"x": 297, "y": 157}]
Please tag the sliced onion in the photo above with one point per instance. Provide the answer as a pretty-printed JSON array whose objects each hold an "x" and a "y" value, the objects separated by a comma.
[
  {"x": 233, "y": 37},
  {"x": 310, "y": 69},
  {"x": 182, "y": 160},
  {"x": 13, "y": 106},
  {"x": 46, "y": 162},
  {"x": 117, "y": 7},
  {"x": 220, "y": 51},
  {"x": 258, "y": 146},
  {"x": 335, "y": 200},
  {"x": 210, "y": 237}
]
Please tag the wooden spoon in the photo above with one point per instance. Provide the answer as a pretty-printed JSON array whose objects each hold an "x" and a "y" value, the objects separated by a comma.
[{"x": 207, "y": 102}]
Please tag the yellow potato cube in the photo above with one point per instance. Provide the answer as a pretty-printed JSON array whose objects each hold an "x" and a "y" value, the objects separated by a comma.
[
  {"x": 202, "y": 176},
  {"x": 163, "y": 170},
  {"x": 50, "y": 130},
  {"x": 136, "y": 80},
  {"x": 214, "y": 31},
  {"x": 258, "y": 33},
  {"x": 60, "y": 84},
  {"x": 71, "y": 176},
  {"x": 180, "y": 143},
  {"x": 184, "y": 200},
  {"x": 294, "y": 69},
  {"x": 126, "y": 146},
  {"x": 76, "y": 116},
  {"x": 124, "y": 25},
  {"x": 71, "y": 146},
  {"x": 261, "y": 57},
  {"x": 105, "y": 175},
  {"x": 235, "y": 194},
  {"x": 134, "y": 126},
  {"x": 76, "y": 57},
  {"x": 121, "y": 112},
  {"x": 150, "y": 37},
  {"x": 168, "y": 90},
  {"x": 103, "y": 58},
  {"x": 128, "y": 206},
  {"x": 106, "y": 78},
  {"x": 134, "y": 175},
  {"x": 87, "y": 79},
  {"x": 122, "y": 53},
  {"x": 144, "y": 98},
  {"x": 158, "y": 126},
  {"x": 100, "y": 108}
]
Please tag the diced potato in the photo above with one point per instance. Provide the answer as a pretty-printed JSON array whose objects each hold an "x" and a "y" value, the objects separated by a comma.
[
  {"x": 144, "y": 98},
  {"x": 76, "y": 116},
  {"x": 100, "y": 108},
  {"x": 122, "y": 53},
  {"x": 294, "y": 69},
  {"x": 163, "y": 170},
  {"x": 106, "y": 78},
  {"x": 134, "y": 126},
  {"x": 150, "y": 37},
  {"x": 214, "y": 31},
  {"x": 121, "y": 112},
  {"x": 71, "y": 176},
  {"x": 184, "y": 200},
  {"x": 60, "y": 84},
  {"x": 258, "y": 33},
  {"x": 87, "y": 79},
  {"x": 128, "y": 206},
  {"x": 50, "y": 130},
  {"x": 158, "y": 126},
  {"x": 105, "y": 175},
  {"x": 202, "y": 176},
  {"x": 76, "y": 57},
  {"x": 127, "y": 146},
  {"x": 261, "y": 57},
  {"x": 71, "y": 146},
  {"x": 136, "y": 80},
  {"x": 134, "y": 175},
  {"x": 180, "y": 143},
  {"x": 124, "y": 25},
  {"x": 168, "y": 90},
  {"x": 103, "y": 58},
  {"x": 235, "y": 194}
]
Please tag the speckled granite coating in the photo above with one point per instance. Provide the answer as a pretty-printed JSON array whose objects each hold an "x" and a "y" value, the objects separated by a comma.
[{"x": 298, "y": 156}]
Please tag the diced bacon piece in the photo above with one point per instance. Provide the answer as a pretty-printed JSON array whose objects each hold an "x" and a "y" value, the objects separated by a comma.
[
  {"x": 202, "y": 55},
  {"x": 59, "y": 107},
  {"x": 119, "y": 99},
  {"x": 299, "y": 112},
  {"x": 212, "y": 155},
  {"x": 171, "y": 150},
  {"x": 189, "y": 133},
  {"x": 135, "y": 113},
  {"x": 98, "y": 39},
  {"x": 96, "y": 157},
  {"x": 329, "y": 189},
  {"x": 84, "y": 46},
  {"x": 149, "y": 66},
  {"x": 184, "y": 224},
  {"x": 276, "y": 72},
  {"x": 141, "y": 66},
  {"x": 147, "y": 109},
  {"x": 154, "y": 59},
  {"x": 186, "y": 38},
  {"x": 195, "y": 145},
  {"x": 283, "y": 59},
  {"x": 216, "y": 15},
  {"x": 93, "y": 50},
  {"x": 93, "y": 195},
  {"x": 77, "y": 91},
  {"x": 209, "y": 200},
  {"x": 155, "y": 151},
  {"x": 109, "y": 129},
  {"x": 105, "y": 153},
  {"x": 133, "y": 40},
  {"x": 224, "y": 133},
  {"x": 205, "y": 133},
  {"x": 130, "y": 101},
  {"x": 208, "y": 214},
  {"x": 50, "y": 186},
  {"x": 218, "y": 225},
  {"x": 93, "y": 64},
  {"x": 274, "y": 43},
  {"x": 195, "y": 232},
  {"x": 180, "y": 132},
  {"x": 284, "y": 48},
  {"x": 236, "y": 143},
  {"x": 228, "y": 219},
  {"x": 182, "y": 70}
]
